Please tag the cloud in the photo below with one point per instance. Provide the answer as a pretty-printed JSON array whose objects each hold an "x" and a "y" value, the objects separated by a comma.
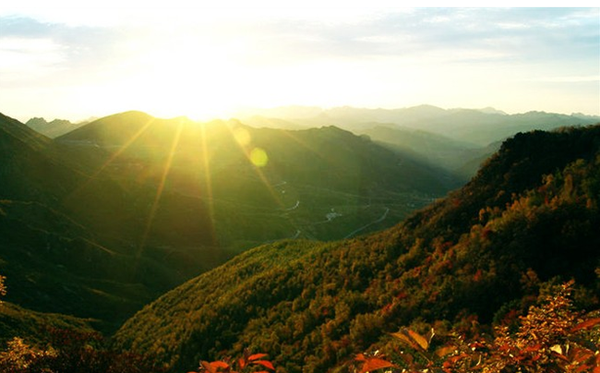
[
  {"x": 388, "y": 52},
  {"x": 35, "y": 52},
  {"x": 568, "y": 79},
  {"x": 476, "y": 34},
  {"x": 282, "y": 36}
]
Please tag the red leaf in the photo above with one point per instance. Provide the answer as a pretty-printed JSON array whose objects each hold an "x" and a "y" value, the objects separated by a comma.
[
  {"x": 586, "y": 324},
  {"x": 242, "y": 363},
  {"x": 374, "y": 363},
  {"x": 534, "y": 348},
  {"x": 406, "y": 339},
  {"x": 419, "y": 339},
  {"x": 264, "y": 363},
  {"x": 581, "y": 355},
  {"x": 360, "y": 357},
  {"x": 256, "y": 357},
  {"x": 584, "y": 368},
  {"x": 208, "y": 367},
  {"x": 219, "y": 364}
]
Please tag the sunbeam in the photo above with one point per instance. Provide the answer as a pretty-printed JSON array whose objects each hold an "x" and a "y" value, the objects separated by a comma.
[
  {"x": 243, "y": 140},
  {"x": 249, "y": 151},
  {"x": 112, "y": 158},
  {"x": 208, "y": 180},
  {"x": 160, "y": 189},
  {"x": 304, "y": 145}
]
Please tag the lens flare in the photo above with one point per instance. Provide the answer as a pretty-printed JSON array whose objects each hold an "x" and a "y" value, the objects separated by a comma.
[{"x": 259, "y": 157}]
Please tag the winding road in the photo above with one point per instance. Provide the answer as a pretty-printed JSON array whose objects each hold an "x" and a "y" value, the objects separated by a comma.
[{"x": 382, "y": 218}]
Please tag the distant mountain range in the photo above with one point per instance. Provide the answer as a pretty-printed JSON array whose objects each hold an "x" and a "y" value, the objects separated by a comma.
[
  {"x": 53, "y": 128},
  {"x": 476, "y": 126}
]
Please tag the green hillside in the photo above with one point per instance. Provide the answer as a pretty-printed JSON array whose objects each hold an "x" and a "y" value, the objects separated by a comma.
[
  {"x": 17, "y": 321},
  {"x": 106, "y": 218},
  {"x": 527, "y": 220}
]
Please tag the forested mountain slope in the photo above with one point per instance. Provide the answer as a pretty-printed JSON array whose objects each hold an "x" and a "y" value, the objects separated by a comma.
[
  {"x": 53, "y": 261},
  {"x": 109, "y": 216},
  {"x": 528, "y": 219}
]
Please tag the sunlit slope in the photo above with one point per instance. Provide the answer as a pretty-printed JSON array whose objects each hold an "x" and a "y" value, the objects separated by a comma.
[{"x": 528, "y": 218}]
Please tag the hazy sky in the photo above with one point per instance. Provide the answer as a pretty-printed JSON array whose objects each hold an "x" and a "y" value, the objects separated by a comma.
[{"x": 62, "y": 59}]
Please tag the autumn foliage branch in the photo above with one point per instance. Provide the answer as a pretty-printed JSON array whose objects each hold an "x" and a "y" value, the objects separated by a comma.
[{"x": 551, "y": 338}]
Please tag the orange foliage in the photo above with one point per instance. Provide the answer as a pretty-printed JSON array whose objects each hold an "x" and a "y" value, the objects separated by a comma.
[
  {"x": 244, "y": 364},
  {"x": 551, "y": 338}
]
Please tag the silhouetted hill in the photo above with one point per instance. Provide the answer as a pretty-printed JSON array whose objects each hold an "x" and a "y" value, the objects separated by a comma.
[
  {"x": 114, "y": 129},
  {"x": 528, "y": 219},
  {"x": 53, "y": 128}
]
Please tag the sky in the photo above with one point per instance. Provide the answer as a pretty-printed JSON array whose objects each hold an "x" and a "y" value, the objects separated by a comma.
[{"x": 80, "y": 59}]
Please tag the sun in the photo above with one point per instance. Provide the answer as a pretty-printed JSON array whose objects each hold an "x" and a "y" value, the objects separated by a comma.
[{"x": 193, "y": 76}]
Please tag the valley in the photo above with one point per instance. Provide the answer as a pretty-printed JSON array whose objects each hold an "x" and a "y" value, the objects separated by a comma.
[{"x": 125, "y": 208}]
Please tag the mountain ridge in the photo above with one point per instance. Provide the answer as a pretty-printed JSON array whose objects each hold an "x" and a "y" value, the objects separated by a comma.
[
  {"x": 480, "y": 126},
  {"x": 53, "y": 128}
]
